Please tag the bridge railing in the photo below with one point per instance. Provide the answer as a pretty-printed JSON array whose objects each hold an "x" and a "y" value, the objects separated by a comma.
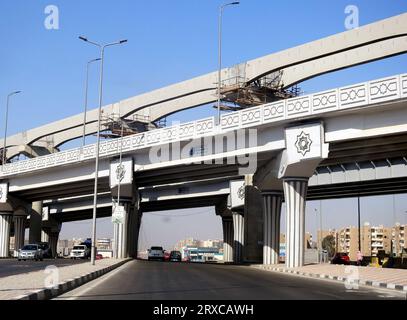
[
  {"x": 367, "y": 93},
  {"x": 362, "y": 94}
]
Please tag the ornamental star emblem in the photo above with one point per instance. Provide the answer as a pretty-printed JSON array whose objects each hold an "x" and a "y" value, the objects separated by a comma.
[
  {"x": 240, "y": 192},
  {"x": 303, "y": 143},
  {"x": 120, "y": 172}
]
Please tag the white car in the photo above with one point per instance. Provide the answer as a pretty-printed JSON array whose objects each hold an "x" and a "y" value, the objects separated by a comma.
[
  {"x": 80, "y": 252},
  {"x": 30, "y": 252},
  {"x": 156, "y": 253}
]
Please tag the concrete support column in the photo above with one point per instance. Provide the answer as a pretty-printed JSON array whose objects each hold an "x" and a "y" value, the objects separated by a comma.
[
  {"x": 120, "y": 235},
  {"x": 5, "y": 223},
  {"x": 238, "y": 237},
  {"x": 35, "y": 222},
  {"x": 253, "y": 222},
  {"x": 19, "y": 233},
  {"x": 295, "y": 192},
  {"x": 272, "y": 213},
  {"x": 133, "y": 231},
  {"x": 228, "y": 239},
  {"x": 53, "y": 243}
]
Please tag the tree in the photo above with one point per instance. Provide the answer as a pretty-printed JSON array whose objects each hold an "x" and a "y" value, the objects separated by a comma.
[{"x": 328, "y": 244}]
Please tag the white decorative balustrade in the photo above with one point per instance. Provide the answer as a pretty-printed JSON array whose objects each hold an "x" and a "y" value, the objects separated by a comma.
[{"x": 363, "y": 94}]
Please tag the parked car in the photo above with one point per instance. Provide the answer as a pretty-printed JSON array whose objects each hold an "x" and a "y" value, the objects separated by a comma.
[
  {"x": 98, "y": 257},
  {"x": 175, "y": 256},
  {"x": 166, "y": 256},
  {"x": 46, "y": 250},
  {"x": 80, "y": 252},
  {"x": 156, "y": 253},
  {"x": 30, "y": 252},
  {"x": 341, "y": 258}
]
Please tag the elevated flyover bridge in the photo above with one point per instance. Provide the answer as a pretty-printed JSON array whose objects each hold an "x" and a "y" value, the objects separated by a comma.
[{"x": 318, "y": 146}]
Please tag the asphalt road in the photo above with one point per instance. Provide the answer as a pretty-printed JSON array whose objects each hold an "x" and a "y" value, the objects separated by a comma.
[
  {"x": 143, "y": 280},
  {"x": 10, "y": 267}
]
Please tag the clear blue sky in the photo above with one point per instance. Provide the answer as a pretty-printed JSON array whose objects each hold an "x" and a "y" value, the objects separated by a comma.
[{"x": 169, "y": 41}]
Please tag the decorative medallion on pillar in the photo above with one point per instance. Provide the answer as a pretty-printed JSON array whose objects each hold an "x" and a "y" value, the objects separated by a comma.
[
  {"x": 305, "y": 149},
  {"x": 121, "y": 173},
  {"x": 303, "y": 143},
  {"x": 237, "y": 193}
]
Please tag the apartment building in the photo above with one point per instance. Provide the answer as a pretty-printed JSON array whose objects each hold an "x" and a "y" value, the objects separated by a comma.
[
  {"x": 372, "y": 240},
  {"x": 399, "y": 238}
]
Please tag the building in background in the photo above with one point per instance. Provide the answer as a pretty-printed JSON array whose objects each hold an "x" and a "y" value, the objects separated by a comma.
[
  {"x": 191, "y": 242},
  {"x": 399, "y": 239},
  {"x": 372, "y": 240},
  {"x": 186, "y": 242},
  {"x": 201, "y": 254},
  {"x": 104, "y": 244}
]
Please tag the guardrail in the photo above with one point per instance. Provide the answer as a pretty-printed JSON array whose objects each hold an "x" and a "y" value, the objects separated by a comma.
[{"x": 362, "y": 94}]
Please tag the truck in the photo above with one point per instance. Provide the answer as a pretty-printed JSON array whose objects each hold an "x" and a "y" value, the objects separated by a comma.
[{"x": 82, "y": 251}]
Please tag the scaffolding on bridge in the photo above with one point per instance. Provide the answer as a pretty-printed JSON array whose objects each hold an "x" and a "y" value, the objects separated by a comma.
[
  {"x": 114, "y": 126},
  {"x": 237, "y": 94}
]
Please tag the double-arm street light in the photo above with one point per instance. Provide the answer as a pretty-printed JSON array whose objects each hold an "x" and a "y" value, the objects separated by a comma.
[
  {"x": 221, "y": 9},
  {"x": 4, "y": 158},
  {"x": 86, "y": 100},
  {"x": 102, "y": 48}
]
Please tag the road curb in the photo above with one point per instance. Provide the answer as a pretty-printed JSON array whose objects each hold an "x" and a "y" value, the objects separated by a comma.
[
  {"x": 68, "y": 285},
  {"x": 370, "y": 283}
]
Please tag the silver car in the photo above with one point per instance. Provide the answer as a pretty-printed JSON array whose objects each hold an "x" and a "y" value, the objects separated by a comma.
[{"x": 30, "y": 252}]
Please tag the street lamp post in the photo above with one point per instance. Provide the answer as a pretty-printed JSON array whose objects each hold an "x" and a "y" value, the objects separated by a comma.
[
  {"x": 320, "y": 228},
  {"x": 102, "y": 53},
  {"x": 86, "y": 100},
  {"x": 4, "y": 158},
  {"x": 359, "y": 226},
  {"x": 221, "y": 8}
]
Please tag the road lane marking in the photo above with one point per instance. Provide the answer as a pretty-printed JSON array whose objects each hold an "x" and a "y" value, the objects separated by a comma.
[{"x": 90, "y": 285}]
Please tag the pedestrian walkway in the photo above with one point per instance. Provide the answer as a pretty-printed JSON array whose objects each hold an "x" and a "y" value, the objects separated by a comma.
[
  {"x": 15, "y": 286},
  {"x": 371, "y": 276}
]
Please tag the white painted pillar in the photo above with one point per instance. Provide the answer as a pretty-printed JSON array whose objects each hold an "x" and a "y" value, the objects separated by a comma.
[
  {"x": 121, "y": 234},
  {"x": 45, "y": 235},
  {"x": 5, "y": 223},
  {"x": 238, "y": 237},
  {"x": 19, "y": 232},
  {"x": 295, "y": 192},
  {"x": 272, "y": 213},
  {"x": 115, "y": 241},
  {"x": 228, "y": 239}
]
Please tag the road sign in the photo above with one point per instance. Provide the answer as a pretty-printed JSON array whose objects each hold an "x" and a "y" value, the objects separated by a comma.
[{"x": 118, "y": 215}]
